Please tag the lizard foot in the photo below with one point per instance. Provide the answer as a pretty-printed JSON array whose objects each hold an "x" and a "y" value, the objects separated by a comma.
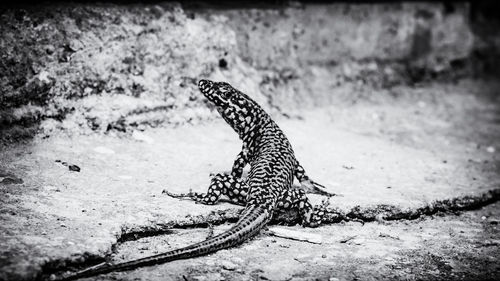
[
  {"x": 311, "y": 186},
  {"x": 316, "y": 217}
]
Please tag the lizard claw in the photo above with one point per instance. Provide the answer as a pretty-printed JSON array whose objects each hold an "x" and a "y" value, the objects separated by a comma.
[
  {"x": 313, "y": 187},
  {"x": 317, "y": 185}
]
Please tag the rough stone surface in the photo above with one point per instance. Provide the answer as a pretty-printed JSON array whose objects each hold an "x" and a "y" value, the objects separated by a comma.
[
  {"x": 406, "y": 147},
  {"x": 99, "y": 92}
]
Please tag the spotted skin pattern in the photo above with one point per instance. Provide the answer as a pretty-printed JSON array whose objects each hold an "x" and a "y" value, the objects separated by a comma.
[
  {"x": 232, "y": 187},
  {"x": 266, "y": 189},
  {"x": 266, "y": 148}
]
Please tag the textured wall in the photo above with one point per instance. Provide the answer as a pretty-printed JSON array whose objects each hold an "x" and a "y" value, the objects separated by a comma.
[{"x": 111, "y": 67}]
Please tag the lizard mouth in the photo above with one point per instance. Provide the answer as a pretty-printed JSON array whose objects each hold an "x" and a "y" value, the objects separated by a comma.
[{"x": 209, "y": 90}]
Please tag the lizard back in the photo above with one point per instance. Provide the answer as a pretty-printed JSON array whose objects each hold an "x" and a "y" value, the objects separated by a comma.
[{"x": 270, "y": 154}]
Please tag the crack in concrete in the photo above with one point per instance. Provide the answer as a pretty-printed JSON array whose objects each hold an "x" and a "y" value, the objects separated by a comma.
[{"x": 382, "y": 212}]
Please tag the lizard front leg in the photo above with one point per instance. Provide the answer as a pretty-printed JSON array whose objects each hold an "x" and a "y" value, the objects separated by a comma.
[
  {"x": 239, "y": 163},
  {"x": 234, "y": 188}
]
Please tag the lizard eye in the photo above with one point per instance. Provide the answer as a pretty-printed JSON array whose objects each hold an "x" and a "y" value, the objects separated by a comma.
[{"x": 224, "y": 93}]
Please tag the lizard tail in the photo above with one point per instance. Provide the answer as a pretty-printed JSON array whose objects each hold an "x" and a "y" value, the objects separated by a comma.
[{"x": 253, "y": 219}]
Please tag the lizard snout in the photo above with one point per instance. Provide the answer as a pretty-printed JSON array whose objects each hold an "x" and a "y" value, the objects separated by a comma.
[{"x": 205, "y": 85}]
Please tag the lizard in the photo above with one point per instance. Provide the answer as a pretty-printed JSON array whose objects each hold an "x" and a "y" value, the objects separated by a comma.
[{"x": 266, "y": 189}]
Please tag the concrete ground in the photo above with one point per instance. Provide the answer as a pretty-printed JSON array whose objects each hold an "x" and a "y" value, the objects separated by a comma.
[{"x": 71, "y": 201}]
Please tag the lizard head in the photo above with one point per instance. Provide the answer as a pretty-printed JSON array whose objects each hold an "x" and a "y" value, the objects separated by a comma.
[{"x": 239, "y": 110}]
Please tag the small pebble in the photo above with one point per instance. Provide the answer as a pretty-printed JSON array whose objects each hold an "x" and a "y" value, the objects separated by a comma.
[
  {"x": 44, "y": 77},
  {"x": 483, "y": 218},
  {"x": 11, "y": 180},
  {"x": 490, "y": 149},
  {"x": 227, "y": 265},
  {"x": 74, "y": 168},
  {"x": 49, "y": 49}
]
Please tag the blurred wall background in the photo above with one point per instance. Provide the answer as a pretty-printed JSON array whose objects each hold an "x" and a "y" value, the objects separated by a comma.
[{"x": 110, "y": 67}]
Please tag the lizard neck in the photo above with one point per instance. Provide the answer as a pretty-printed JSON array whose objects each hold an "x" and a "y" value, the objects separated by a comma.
[{"x": 251, "y": 133}]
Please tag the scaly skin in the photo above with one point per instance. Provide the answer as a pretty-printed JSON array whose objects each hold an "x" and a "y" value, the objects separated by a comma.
[{"x": 267, "y": 188}]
